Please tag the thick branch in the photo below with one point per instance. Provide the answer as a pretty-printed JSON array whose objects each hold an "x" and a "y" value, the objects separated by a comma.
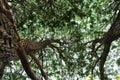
[
  {"x": 22, "y": 55},
  {"x": 103, "y": 59}
]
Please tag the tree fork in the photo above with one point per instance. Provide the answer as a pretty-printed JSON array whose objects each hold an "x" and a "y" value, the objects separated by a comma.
[{"x": 112, "y": 35}]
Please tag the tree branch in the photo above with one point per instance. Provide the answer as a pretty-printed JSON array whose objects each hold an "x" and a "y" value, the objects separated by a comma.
[
  {"x": 39, "y": 66},
  {"x": 103, "y": 59},
  {"x": 22, "y": 55}
]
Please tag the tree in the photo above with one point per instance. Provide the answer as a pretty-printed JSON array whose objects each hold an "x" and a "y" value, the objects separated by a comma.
[
  {"x": 73, "y": 18},
  {"x": 12, "y": 46}
]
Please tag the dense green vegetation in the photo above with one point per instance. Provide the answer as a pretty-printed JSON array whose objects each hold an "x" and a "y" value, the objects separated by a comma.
[{"x": 75, "y": 22}]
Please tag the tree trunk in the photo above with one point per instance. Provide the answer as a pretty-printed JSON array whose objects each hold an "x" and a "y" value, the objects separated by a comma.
[
  {"x": 8, "y": 35},
  {"x": 9, "y": 40}
]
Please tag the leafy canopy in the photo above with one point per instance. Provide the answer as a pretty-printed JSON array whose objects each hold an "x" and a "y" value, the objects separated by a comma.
[{"x": 73, "y": 21}]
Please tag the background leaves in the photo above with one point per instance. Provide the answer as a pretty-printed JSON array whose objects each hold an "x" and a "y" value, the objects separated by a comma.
[{"x": 73, "y": 21}]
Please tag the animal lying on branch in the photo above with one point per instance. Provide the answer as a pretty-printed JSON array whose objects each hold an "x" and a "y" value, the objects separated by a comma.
[
  {"x": 30, "y": 48},
  {"x": 12, "y": 47}
]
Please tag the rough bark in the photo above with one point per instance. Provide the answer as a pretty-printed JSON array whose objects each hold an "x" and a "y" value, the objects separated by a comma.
[
  {"x": 8, "y": 36},
  {"x": 9, "y": 39}
]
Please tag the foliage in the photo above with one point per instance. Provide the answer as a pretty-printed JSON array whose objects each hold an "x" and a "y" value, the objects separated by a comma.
[{"x": 73, "y": 21}]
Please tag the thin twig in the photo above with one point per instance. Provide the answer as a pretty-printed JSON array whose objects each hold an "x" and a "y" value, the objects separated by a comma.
[{"x": 39, "y": 66}]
